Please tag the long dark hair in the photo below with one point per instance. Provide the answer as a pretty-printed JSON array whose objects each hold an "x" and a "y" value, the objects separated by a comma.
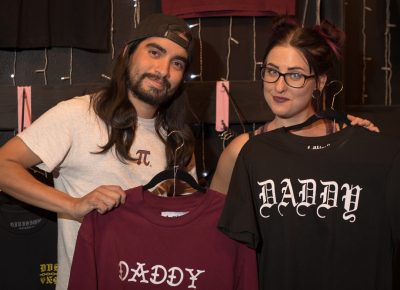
[{"x": 112, "y": 105}]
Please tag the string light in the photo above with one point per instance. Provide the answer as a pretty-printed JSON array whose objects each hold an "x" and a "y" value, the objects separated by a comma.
[
  {"x": 69, "y": 77},
  {"x": 200, "y": 74},
  {"x": 255, "y": 62},
  {"x": 228, "y": 56},
  {"x": 44, "y": 69},
  {"x": 254, "y": 49},
  {"x": 201, "y": 50},
  {"x": 193, "y": 76},
  {"x": 388, "y": 64},
  {"x": 136, "y": 13},
  {"x": 304, "y": 14},
  {"x": 14, "y": 67},
  {"x": 70, "y": 66},
  {"x": 112, "y": 30},
  {"x": 104, "y": 76},
  {"x": 234, "y": 40},
  {"x": 318, "y": 13},
  {"x": 364, "y": 53}
]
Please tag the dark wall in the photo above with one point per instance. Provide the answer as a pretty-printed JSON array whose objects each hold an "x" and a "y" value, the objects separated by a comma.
[{"x": 366, "y": 30}]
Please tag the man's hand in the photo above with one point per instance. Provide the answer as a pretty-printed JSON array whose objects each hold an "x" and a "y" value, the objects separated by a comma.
[
  {"x": 357, "y": 121},
  {"x": 103, "y": 199}
]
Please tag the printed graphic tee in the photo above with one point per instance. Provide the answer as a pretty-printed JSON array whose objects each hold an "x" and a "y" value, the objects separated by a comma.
[
  {"x": 323, "y": 212},
  {"x": 154, "y": 242},
  {"x": 28, "y": 247}
]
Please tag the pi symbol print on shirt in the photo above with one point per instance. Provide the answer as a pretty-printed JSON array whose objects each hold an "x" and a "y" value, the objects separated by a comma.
[
  {"x": 142, "y": 157},
  {"x": 329, "y": 192},
  {"x": 158, "y": 275}
]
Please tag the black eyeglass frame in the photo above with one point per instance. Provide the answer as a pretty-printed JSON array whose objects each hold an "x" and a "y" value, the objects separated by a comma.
[{"x": 306, "y": 77}]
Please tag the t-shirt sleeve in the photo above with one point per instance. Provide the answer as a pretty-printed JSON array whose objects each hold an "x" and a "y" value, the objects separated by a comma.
[
  {"x": 238, "y": 219},
  {"x": 50, "y": 136},
  {"x": 246, "y": 272},
  {"x": 393, "y": 200},
  {"x": 83, "y": 270}
]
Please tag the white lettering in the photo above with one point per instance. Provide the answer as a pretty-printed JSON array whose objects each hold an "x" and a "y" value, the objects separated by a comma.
[
  {"x": 123, "y": 270},
  {"x": 351, "y": 199},
  {"x": 139, "y": 272},
  {"x": 267, "y": 195},
  {"x": 288, "y": 193},
  {"x": 307, "y": 195},
  {"x": 155, "y": 274},
  {"x": 193, "y": 278},
  {"x": 159, "y": 274},
  {"x": 172, "y": 276},
  {"x": 329, "y": 196}
]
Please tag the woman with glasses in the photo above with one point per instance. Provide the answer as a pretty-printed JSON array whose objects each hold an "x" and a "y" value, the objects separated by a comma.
[
  {"x": 319, "y": 203},
  {"x": 294, "y": 74}
]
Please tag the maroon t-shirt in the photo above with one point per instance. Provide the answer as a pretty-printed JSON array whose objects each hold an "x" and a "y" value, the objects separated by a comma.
[
  {"x": 209, "y": 8},
  {"x": 154, "y": 242}
]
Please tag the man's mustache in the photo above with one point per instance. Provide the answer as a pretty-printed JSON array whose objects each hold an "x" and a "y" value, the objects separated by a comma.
[{"x": 155, "y": 77}]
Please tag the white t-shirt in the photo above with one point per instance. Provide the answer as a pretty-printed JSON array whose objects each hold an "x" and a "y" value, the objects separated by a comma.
[{"x": 65, "y": 138}]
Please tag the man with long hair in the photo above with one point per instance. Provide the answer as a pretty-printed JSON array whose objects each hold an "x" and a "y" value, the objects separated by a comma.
[{"x": 101, "y": 144}]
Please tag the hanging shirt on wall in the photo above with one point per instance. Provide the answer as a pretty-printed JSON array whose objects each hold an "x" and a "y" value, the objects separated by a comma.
[
  {"x": 210, "y": 8},
  {"x": 323, "y": 212},
  {"x": 28, "y": 246},
  {"x": 154, "y": 242},
  {"x": 28, "y": 242},
  {"x": 55, "y": 23}
]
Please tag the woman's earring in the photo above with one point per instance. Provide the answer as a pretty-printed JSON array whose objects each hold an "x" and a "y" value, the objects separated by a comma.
[{"x": 316, "y": 94}]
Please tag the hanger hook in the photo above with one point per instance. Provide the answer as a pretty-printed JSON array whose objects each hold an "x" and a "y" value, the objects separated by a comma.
[
  {"x": 180, "y": 134},
  {"x": 338, "y": 91},
  {"x": 176, "y": 150}
]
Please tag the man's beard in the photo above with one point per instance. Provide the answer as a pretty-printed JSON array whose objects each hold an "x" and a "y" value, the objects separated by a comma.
[{"x": 151, "y": 96}]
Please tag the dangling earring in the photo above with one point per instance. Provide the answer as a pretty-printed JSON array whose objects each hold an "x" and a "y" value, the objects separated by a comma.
[
  {"x": 316, "y": 99},
  {"x": 316, "y": 94}
]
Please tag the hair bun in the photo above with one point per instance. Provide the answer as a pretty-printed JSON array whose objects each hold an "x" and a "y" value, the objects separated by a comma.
[
  {"x": 333, "y": 36},
  {"x": 283, "y": 23}
]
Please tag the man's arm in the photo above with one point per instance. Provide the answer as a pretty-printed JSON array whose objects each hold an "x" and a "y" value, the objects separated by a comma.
[
  {"x": 16, "y": 157},
  {"x": 357, "y": 121}
]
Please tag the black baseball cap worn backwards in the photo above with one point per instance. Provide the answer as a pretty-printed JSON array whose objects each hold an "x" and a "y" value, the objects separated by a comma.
[{"x": 166, "y": 26}]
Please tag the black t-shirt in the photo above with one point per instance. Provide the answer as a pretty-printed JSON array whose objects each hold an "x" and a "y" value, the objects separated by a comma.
[
  {"x": 28, "y": 248},
  {"x": 43, "y": 23},
  {"x": 28, "y": 243},
  {"x": 322, "y": 212}
]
